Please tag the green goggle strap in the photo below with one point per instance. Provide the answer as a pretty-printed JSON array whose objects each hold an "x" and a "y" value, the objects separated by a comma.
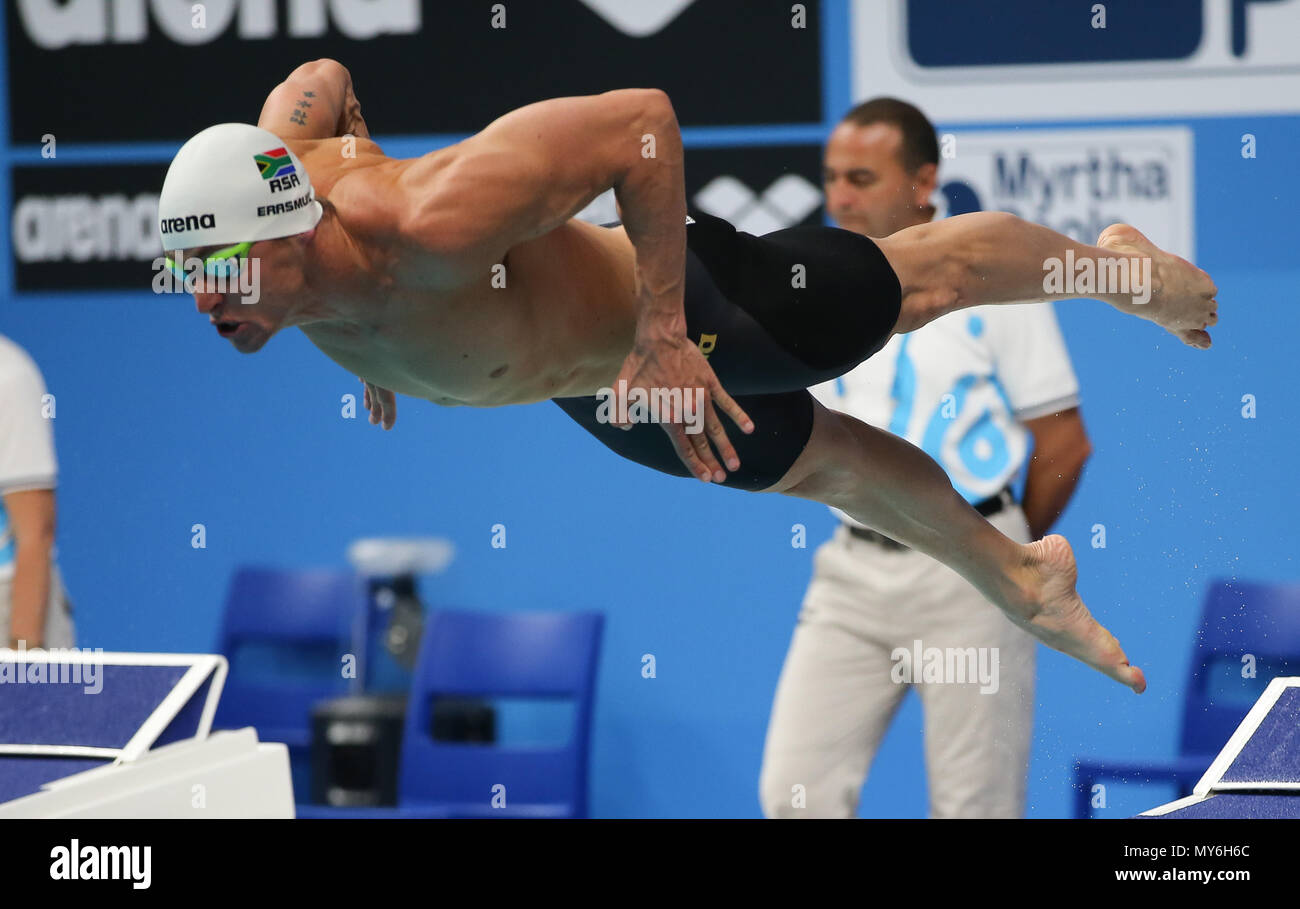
[{"x": 213, "y": 264}]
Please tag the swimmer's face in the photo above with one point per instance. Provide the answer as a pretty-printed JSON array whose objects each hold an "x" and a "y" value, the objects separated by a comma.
[
  {"x": 868, "y": 189},
  {"x": 273, "y": 271}
]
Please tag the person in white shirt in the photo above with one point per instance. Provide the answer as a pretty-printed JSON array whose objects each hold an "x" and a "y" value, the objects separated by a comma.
[
  {"x": 970, "y": 388},
  {"x": 34, "y": 608}
]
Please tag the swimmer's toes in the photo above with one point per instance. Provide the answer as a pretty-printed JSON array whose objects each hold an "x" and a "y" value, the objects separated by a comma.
[
  {"x": 1114, "y": 663},
  {"x": 1129, "y": 676}
]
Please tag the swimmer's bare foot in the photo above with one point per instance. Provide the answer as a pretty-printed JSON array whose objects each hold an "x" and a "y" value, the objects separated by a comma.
[
  {"x": 1062, "y": 622},
  {"x": 1182, "y": 295}
]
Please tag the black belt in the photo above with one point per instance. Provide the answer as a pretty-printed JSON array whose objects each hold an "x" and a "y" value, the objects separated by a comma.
[{"x": 988, "y": 508}]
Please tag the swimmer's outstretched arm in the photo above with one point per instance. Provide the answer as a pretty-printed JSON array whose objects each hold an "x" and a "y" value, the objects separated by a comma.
[
  {"x": 315, "y": 102},
  {"x": 995, "y": 257},
  {"x": 538, "y": 166}
]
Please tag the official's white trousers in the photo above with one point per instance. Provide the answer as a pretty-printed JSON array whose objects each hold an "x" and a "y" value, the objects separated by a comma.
[{"x": 845, "y": 676}]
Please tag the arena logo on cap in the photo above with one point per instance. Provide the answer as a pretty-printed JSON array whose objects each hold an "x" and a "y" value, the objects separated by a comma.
[{"x": 188, "y": 222}]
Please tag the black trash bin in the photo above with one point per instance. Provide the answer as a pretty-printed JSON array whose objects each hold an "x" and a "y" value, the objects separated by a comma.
[{"x": 356, "y": 744}]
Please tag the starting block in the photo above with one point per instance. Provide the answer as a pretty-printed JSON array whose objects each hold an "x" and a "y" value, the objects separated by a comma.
[
  {"x": 88, "y": 734},
  {"x": 1257, "y": 774}
]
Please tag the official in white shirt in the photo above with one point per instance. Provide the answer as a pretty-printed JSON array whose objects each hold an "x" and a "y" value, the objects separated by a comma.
[
  {"x": 34, "y": 609},
  {"x": 971, "y": 389}
]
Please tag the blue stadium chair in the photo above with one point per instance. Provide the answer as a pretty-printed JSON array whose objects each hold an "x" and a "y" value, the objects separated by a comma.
[
  {"x": 1239, "y": 618},
  {"x": 284, "y": 633},
  {"x": 524, "y": 655}
]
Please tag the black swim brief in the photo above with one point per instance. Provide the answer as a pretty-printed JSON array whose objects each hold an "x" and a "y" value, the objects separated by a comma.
[{"x": 775, "y": 315}]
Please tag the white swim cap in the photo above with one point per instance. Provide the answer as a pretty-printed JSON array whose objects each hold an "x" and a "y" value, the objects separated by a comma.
[{"x": 234, "y": 183}]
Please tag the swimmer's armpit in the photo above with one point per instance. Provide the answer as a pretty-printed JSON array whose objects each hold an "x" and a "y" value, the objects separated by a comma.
[{"x": 316, "y": 101}]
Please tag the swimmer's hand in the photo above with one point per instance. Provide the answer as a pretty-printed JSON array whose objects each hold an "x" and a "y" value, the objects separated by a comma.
[
  {"x": 666, "y": 361},
  {"x": 382, "y": 405}
]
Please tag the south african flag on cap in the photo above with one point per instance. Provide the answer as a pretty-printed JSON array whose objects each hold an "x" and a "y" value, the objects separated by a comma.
[{"x": 274, "y": 163}]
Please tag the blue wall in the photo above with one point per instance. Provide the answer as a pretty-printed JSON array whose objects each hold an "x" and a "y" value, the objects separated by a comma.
[{"x": 161, "y": 425}]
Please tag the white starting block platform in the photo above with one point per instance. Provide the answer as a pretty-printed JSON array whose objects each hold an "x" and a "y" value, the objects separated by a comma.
[
  {"x": 1257, "y": 774},
  {"x": 87, "y": 734}
]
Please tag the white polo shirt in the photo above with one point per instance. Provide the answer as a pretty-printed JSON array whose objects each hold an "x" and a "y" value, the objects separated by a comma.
[
  {"x": 960, "y": 387},
  {"x": 26, "y": 437}
]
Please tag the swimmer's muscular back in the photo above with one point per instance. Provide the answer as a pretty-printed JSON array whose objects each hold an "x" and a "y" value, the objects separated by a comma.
[{"x": 417, "y": 242}]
